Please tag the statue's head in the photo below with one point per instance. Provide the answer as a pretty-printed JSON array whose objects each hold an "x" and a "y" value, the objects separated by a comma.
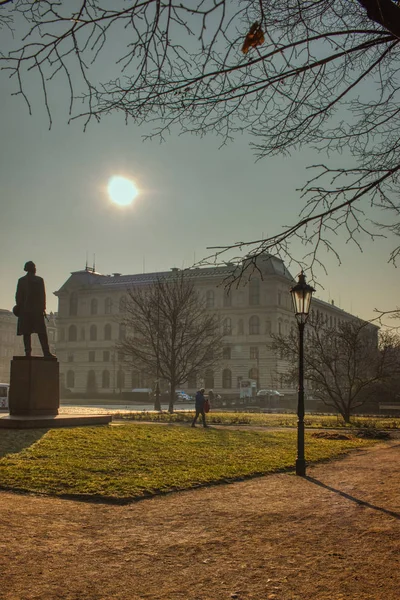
[{"x": 30, "y": 267}]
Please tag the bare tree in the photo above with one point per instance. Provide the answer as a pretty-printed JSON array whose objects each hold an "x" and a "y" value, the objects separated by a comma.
[
  {"x": 318, "y": 73},
  {"x": 169, "y": 333},
  {"x": 342, "y": 365}
]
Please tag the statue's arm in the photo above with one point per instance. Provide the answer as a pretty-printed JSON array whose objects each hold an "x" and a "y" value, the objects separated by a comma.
[{"x": 19, "y": 295}]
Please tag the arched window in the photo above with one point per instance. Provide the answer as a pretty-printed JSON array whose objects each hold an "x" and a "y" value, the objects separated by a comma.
[
  {"x": 209, "y": 379},
  {"x": 227, "y": 379},
  {"x": 254, "y": 325},
  {"x": 254, "y": 292},
  {"x": 107, "y": 306},
  {"x": 240, "y": 327},
  {"x": 93, "y": 333},
  {"x": 91, "y": 381},
  {"x": 121, "y": 332},
  {"x": 227, "y": 299},
  {"x": 253, "y": 373},
  {"x": 105, "y": 379},
  {"x": 93, "y": 306},
  {"x": 210, "y": 299},
  {"x": 107, "y": 332},
  {"x": 120, "y": 380},
  {"x": 122, "y": 304},
  {"x": 70, "y": 379},
  {"x": 279, "y": 327},
  {"x": 227, "y": 326},
  {"x": 73, "y": 304},
  {"x": 72, "y": 333}
]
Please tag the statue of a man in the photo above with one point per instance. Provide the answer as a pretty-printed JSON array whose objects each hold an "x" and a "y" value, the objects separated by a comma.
[{"x": 31, "y": 309}]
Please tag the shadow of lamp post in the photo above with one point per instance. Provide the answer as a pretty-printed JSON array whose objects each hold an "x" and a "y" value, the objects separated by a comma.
[{"x": 301, "y": 297}]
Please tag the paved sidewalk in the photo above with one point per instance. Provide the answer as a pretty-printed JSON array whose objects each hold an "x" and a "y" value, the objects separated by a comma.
[{"x": 334, "y": 535}]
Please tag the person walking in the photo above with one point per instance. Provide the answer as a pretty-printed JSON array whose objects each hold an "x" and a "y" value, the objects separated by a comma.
[{"x": 199, "y": 406}]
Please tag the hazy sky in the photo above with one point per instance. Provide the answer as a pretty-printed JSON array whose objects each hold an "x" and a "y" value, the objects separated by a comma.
[{"x": 55, "y": 209}]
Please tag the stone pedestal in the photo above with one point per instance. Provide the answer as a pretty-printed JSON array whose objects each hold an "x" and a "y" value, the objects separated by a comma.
[{"x": 34, "y": 386}]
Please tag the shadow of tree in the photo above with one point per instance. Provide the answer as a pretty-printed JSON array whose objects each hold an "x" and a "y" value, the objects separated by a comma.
[
  {"x": 13, "y": 441},
  {"x": 391, "y": 513}
]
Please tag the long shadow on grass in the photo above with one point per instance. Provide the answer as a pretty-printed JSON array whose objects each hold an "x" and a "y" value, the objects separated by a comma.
[
  {"x": 13, "y": 441},
  {"x": 391, "y": 513}
]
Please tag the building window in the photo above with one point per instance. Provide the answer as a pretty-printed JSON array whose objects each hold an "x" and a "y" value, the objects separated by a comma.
[
  {"x": 135, "y": 379},
  {"x": 120, "y": 380},
  {"x": 254, "y": 352},
  {"x": 106, "y": 356},
  {"x": 240, "y": 327},
  {"x": 107, "y": 332},
  {"x": 192, "y": 380},
  {"x": 254, "y": 292},
  {"x": 105, "y": 379},
  {"x": 227, "y": 379},
  {"x": 122, "y": 331},
  {"x": 226, "y": 352},
  {"x": 73, "y": 304},
  {"x": 210, "y": 299},
  {"x": 92, "y": 355},
  {"x": 122, "y": 304},
  {"x": 107, "y": 306},
  {"x": 254, "y": 325},
  {"x": 253, "y": 373},
  {"x": 91, "y": 381},
  {"x": 227, "y": 299},
  {"x": 70, "y": 358},
  {"x": 72, "y": 333},
  {"x": 209, "y": 379},
  {"x": 279, "y": 327},
  {"x": 70, "y": 379},
  {"x": 227, "y": 326},
  {"x": 93, "y": 306},
  {"x": 93, "y": 333}
]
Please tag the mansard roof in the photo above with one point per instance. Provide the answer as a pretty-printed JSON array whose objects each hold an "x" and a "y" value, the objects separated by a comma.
[{"x": 267, "y": 265}]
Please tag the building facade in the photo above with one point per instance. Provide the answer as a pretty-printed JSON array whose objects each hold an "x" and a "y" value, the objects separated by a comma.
[
  {"x": 12, "y": 345},
  {"x": 91, "y": 305}
]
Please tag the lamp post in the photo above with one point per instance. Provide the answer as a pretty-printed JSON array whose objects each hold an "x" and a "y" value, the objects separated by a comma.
[{"x": 301, "y": 297}]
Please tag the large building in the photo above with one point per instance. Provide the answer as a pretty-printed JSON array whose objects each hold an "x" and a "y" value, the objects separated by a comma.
[
  {"x": 91, "y": 304},
  {"x": 12, "y": 345}
]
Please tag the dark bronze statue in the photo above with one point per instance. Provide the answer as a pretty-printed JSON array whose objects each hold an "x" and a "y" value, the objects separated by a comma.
[{"x": 31, "y": 309}]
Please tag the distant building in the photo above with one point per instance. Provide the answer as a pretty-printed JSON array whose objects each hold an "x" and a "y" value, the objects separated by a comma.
[
  {"x": 12, "y": 345},
  {"x": 91, "y": 304}
]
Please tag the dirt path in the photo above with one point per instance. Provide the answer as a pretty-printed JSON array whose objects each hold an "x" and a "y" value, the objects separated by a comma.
[{"x": 334, "y": 535}]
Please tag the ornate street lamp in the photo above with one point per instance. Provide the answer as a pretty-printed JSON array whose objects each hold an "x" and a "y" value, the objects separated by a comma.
[{"x": 301, "y": 297}]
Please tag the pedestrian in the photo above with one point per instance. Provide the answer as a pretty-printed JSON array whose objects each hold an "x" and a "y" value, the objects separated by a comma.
[
  {"x": 211, "y": 397},
  {"x": 199, "y": 406}
]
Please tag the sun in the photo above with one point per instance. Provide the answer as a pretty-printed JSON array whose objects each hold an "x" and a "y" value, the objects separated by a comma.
[{"x": 121, "y": 190}]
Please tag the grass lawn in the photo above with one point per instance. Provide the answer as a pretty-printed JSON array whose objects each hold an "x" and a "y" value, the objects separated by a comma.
[
  {"x": 265, "y": 419},
  {"x": 132, "y": 461}
]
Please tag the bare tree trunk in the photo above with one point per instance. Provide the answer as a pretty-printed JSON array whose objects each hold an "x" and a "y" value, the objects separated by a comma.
[{"x": 171, "y": 399}]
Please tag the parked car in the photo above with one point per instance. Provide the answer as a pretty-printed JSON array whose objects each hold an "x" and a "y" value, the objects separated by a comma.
[
  {"x": 182, "y": 396},
  {"x": 269, "y": 393}
]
